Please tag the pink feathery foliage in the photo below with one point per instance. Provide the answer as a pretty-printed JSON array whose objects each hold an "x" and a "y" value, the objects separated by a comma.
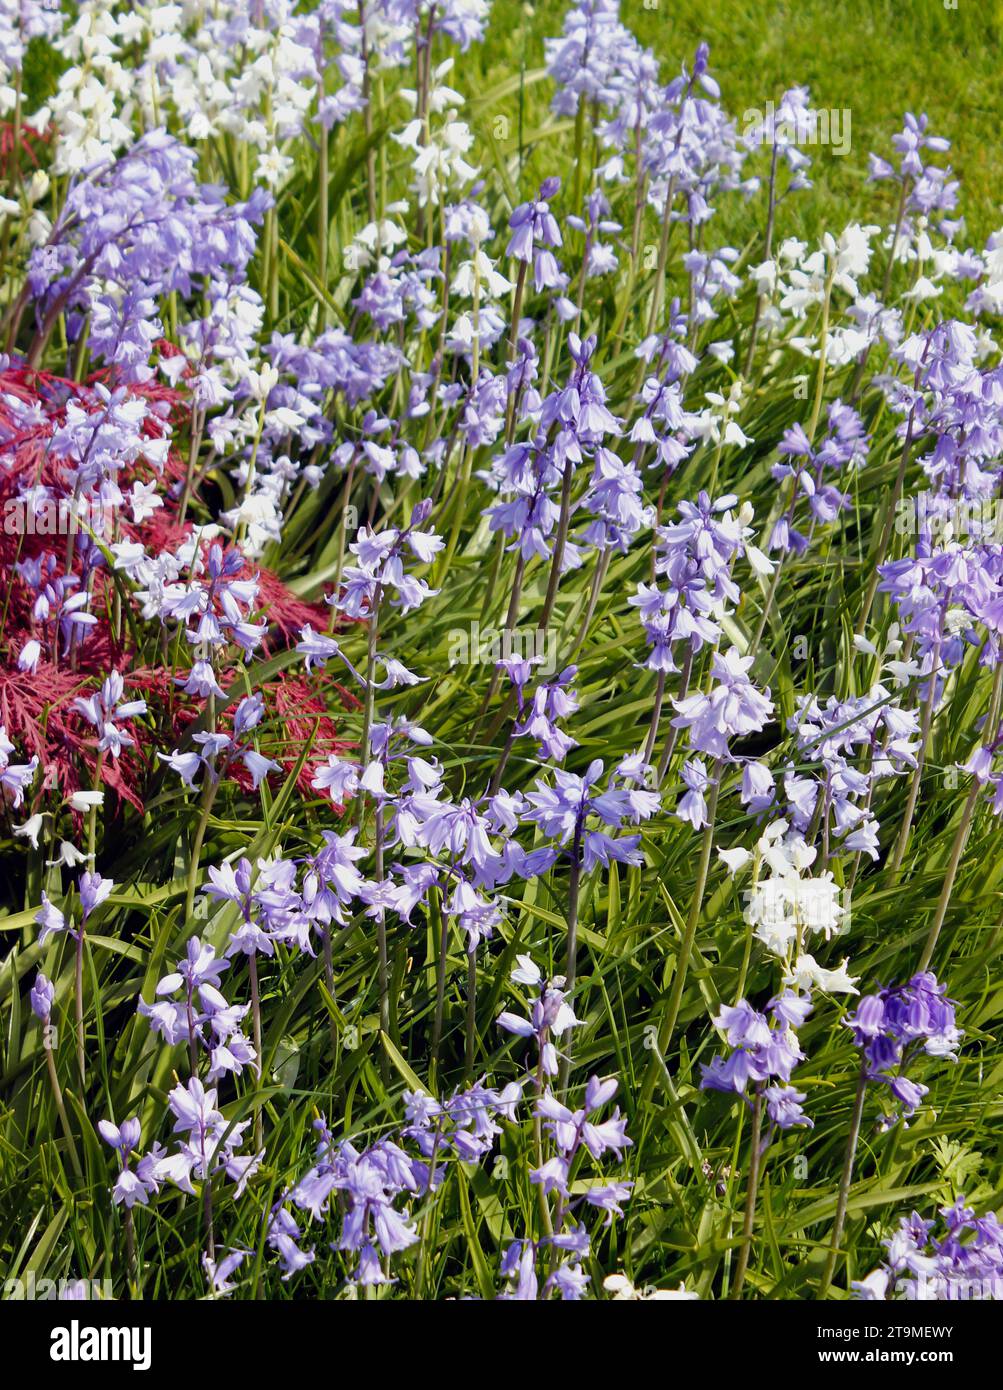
[
  {"x": 19, "y": 138},
  {"x": 297, "y": 708},
  {"x": 36, "y": 705},
  {"x": 284, "y": 612},
  {"x": 38, "y": 710}
]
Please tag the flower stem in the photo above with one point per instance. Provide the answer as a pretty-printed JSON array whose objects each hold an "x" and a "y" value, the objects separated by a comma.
[
  {"x": 858, "y": 375},
  {"x": 329, "y": 981},
  {"x": 902, "y": 842},
  {"x": 78, "y": 978},
  {"x": 381, "y": 934},
  {"x": 93, "y": 815},
  {"x": 322, "y": 211},
  {"x": 755, "y": 1159},
  {"x": 844, "y": 1183},
  {"x": 61, "y": 1108},
  {"x": 440, "y": 990},
  {"x": 560, "y": 540},
  {"x": 767, "y": 253},
  {"x": 208, "y": 797},
  {"x": 132, "y": 1268},
  {"x": 656, "y": 715},
  {"x": 470, "y": 1040},
  {"x": 367, "y": 114},
  {"x": 570, "y": 964},
  {"x": 961, "y": 835},
  {"x": 668, "y": 1025},
  {"x": 886, "y": 534},
  {"x": 673, "y": 734},
  {"x": 252, "y": 963},
  {"x": 368, "y": 708}
]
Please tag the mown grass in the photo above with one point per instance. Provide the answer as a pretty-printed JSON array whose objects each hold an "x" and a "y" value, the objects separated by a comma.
[{"x": 875, "y": 58}]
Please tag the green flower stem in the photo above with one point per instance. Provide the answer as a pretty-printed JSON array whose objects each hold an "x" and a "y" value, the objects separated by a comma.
[
  {"x": 844, "y": 1183},
  {"x": 667, "y": 1027},
  {"x": 208, "y": 797},
  {"x": 252, "y": 965},
  {"x": 752, "y": 1188},
  {"x": 571, "y": 955},
  {"x": 964, "y": 826},
  {"x": 57, "y": 1096}
]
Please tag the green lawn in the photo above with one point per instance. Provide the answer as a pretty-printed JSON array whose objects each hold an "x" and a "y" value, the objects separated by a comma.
[{"x": 874, "y": 58}]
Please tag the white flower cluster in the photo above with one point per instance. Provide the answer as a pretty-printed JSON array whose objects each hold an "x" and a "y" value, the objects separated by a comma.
[
  {"x": 788, "y": 905},
  {"x": 438, "y": 164}
]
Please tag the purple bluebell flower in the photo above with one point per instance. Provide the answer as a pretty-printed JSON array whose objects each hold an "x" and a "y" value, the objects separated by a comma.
[
  {"x": 764, "y": 1047},
  {"x": 106, "y": 710},
  {"x": 43, "y": 996},
  {"x": 550, "y": 1016},
  {"x": 93, "y": 890},
  {"x": 733, "y": 708},
  {"x": 122, "y": 1138},
  {"x": 961, "y": 1259},
  {"x": 15, "y": 778},
  {"x": 895, "y": 1025},
  {"x": 535, "y": 232}
]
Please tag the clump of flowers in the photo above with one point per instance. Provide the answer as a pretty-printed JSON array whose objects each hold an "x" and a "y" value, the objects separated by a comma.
[
  {"x": 959, "y": 1261},
  {"x": 308, "y": 383},
  {"x": 894, "y": 1027},
  {"x": 764, "y": 1051}
]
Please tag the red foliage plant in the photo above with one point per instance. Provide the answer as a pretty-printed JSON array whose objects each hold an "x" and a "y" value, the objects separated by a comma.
[
  {"x": 36, "y": 706},
  {"x": 19, "y": 138}
]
